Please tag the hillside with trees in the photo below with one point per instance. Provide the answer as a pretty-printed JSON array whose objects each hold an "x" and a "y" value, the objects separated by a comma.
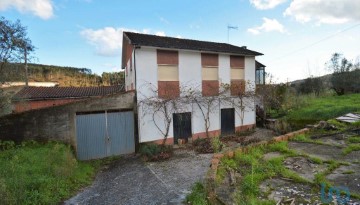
[{"x": 65, "y": 76}]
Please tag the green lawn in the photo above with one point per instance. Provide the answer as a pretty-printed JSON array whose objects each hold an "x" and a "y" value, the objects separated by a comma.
[
  {"x": 34, "y": 173},
  {"x": 324, "y": 108}
]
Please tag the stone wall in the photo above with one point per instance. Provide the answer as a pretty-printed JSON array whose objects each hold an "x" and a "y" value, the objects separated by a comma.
[{"x": 58, "y": 123}]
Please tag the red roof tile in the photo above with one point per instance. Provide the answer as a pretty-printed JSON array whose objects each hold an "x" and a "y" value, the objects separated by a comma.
[{"x": 37, "y": 93}]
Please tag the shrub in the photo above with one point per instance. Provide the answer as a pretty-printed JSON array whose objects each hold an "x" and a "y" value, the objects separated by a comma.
[
  {"x": 155, "y": 152},
  {"x": 6, "y": 145},
  {"x": 203, "y": 145},
  {"x": 216, "y": 144},
  {"x": 281, "y": 126},
  {"x": 208, "y": 145}
]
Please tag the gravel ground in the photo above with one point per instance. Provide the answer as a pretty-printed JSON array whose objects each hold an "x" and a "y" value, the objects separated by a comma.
[{"x": 131, "y": 181}]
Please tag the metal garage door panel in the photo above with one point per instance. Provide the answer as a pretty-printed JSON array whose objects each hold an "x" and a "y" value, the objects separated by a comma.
[
  {"x": 121, "y": 132},
  {"x": 91, "y": 132}
]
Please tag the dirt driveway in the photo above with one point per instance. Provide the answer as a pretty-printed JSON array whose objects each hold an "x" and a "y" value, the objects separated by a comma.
[{"x": 131, "y": 181}]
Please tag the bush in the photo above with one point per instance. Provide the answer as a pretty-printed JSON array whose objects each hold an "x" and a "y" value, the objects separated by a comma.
[
  {"x": 155, "y": 152},
  {"x": 216, "y": 144},
  {"x": 208, "y": 145}
]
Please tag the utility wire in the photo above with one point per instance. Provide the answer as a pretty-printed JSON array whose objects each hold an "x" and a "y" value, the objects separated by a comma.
[{"x": 315, "y": 43}]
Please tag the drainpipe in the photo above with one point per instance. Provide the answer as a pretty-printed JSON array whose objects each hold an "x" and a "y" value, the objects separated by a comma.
[{"x": 136, "y": 118}]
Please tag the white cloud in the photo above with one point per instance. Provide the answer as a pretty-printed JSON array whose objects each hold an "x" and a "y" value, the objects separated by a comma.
[
  {"x": 266, "y": 4},
  {"x": 268, "y": 26},
  {"x": 160, "y": 33},
  {"x": 324, "y": 11},
  {"x": 108, "y": 40},
  {"x": 40, "y": 8}
]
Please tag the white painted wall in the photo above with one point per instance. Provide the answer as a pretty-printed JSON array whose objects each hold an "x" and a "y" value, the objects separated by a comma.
[
  {"x": 189, "y": 74},
  {"x": 130, "y": 75}
]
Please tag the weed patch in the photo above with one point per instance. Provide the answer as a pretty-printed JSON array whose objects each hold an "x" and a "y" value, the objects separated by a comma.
[
  {"x": 354, "y": 139},
  {"x": 155, "y": 152},
  {"x": 351, "y": 148},
  {"x": 198, "y": 195}
]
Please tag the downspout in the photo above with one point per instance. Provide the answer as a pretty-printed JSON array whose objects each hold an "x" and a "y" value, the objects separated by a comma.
[{"x": 136, "y": 118}]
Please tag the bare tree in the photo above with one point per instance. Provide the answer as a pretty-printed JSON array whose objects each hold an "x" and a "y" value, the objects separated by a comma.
[
  {"x": 241, "y": 97},
  {"x": 206, "y": 104},
  {"x": 269, "y": 97},
  {"x": 159, "y": 108},
  {"x": 345, "y": 77}
]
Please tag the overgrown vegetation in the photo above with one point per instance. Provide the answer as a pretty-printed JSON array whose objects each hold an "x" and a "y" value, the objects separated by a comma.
[
  {"x": 198, "y": 195},
  {"x": 350, "y": 148},
  {"x": 33, "y": 173},
  {"x": 155, "y": 152},
  {"x": 208, "y": 145}
]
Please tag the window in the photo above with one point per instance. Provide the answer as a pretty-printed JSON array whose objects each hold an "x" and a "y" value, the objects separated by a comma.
[
  {"x": 237, "y": 75},
  {"x": 168, "y": 73},
  {"x": 210, "y": 74}
]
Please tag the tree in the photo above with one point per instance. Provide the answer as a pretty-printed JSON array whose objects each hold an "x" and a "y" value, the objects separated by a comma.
[
  {"x": 14, "y": 43},
  {"x": 206, "y": 104},
  {"x": 311, "y": 85},
  {"x": 241, "y": 97},
  {"x": 270, "y": 97},
  {"x": 345, "y": 77},
  {"x": 160, "y": 109}
]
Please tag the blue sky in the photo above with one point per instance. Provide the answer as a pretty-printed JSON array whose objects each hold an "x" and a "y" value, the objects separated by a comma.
[{"x": 296, "y": 36}]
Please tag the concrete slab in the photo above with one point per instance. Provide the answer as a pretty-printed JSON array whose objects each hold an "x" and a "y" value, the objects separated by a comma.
[{"x": 131, "y": 181}]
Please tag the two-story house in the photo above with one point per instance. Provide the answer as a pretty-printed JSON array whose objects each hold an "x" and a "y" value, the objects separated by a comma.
[{"x": 168, "y": 63}]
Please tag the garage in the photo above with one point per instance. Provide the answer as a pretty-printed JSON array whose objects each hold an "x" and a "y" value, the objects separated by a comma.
[{"x": 104, "y": 133}]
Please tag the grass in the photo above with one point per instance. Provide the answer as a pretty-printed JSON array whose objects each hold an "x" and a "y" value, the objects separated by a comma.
[
  {"x": 254, "y": 170},
  {"x": 34, "y": 173},
  {"x": 198, "y": 195},
  {"x": 348, "y": 172},
  {"x": 354, "y": 139},
  {"x": 324, "y": 108},
  {"x": 321, "y": 177},
  {"x": 351, "y": 148}
]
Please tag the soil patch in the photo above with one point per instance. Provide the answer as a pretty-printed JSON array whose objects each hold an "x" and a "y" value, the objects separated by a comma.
[
  {"x": 353, "y": 157},
  {"x": 324, "y": 152},
  {"x": 304, "y": 167},
  {"x": 260, "y": 134},
  {"x": 347, "y": 176},
  {"x": 333, "y": 140},
  {"x": 271, "y": 155},
  {"x": 279, "y": 189}
]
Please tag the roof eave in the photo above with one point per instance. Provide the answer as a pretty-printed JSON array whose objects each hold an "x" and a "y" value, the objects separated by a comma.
[{"x": 204, "y": 50}]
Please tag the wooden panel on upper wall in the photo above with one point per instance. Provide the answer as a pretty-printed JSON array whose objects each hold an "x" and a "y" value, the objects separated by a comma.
[{"x": 167, "y": 57}]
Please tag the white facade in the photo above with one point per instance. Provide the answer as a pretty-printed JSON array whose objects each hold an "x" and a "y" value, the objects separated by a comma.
[{"x": 190, "y": 74}]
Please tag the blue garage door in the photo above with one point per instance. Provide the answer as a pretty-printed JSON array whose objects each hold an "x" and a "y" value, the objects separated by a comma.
[{"x": 104, "y": 134}]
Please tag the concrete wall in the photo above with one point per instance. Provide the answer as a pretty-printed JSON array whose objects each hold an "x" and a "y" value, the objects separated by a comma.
[
  {"x": 58, "y": 123},
  {"x": 189, "y": 75}
]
